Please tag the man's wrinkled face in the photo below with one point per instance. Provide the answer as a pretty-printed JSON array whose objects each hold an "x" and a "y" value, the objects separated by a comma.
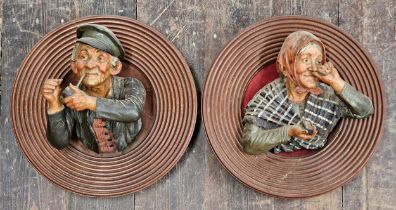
[
  {"x": 94, "y": 63},
  {"x": 308, "y": 60}
]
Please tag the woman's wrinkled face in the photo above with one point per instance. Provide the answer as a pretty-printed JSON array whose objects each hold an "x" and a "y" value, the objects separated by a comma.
[{"x": 307, "y": 61}]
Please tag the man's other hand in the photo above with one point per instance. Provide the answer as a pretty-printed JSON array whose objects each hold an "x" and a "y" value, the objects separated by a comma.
[{"x": 51, "y": 92}]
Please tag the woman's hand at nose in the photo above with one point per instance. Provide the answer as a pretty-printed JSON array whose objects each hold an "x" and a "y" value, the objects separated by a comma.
[{"x": 328, "y": 74}]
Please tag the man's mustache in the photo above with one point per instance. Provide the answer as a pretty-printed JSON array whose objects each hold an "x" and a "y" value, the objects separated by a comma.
[{"x": 91, "y": 71}]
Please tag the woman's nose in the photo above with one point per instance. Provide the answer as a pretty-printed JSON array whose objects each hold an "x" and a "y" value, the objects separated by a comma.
[{"x": 313, "y": 66}]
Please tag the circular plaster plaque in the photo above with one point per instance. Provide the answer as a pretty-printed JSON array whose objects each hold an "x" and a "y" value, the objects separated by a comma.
[
  {"x": 169, "y": 114},
  {"x": 350, "y": 146}
]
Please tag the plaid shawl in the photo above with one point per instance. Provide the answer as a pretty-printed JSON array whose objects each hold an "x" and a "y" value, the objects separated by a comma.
[{"x": 270, "y": 108}]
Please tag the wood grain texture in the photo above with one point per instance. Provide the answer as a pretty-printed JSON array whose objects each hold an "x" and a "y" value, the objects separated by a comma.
[
  {"x": 379, "y": 38},
  {"x": 325, "y": 10},
  {"x": 350, "y": 20},
  {"x": 22, "y": 187},
  {"x": 224, "y": 19},
  {"x": 199, "y": 29},
  {"x": 182, "y": 23},
  {"x": 25, "y": 22}
]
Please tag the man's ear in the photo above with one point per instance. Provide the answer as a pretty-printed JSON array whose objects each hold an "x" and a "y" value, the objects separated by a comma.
[
  {"x": 73, "y": 66},
  {"x": 117, "y": 69}
]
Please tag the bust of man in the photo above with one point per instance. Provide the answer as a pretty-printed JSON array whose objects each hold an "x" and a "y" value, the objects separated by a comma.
[
  {"x": 302, "y": 107},
  {"x": 104, "y": 112}
]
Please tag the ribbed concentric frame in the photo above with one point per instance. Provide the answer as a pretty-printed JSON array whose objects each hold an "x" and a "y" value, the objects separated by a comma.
[
  {"x": 175, "y": 104},
  {"x": 342, "y": 159}
]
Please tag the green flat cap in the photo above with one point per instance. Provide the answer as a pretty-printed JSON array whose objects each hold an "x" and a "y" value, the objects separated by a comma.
[{"x": 101, "y": 38}]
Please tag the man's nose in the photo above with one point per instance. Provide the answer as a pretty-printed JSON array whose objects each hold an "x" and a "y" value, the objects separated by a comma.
[{"x": 91, "y": 63}]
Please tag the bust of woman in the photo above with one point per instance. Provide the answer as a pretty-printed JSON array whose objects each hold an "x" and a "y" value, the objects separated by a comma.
[{"x": 301, "y": 108}]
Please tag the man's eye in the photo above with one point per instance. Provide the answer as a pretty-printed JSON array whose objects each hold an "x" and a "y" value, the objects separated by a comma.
[
  {"x": 306, "y": 60},
  {"x": 101, "y": 59},
  {"x": 83, "y": 57}
]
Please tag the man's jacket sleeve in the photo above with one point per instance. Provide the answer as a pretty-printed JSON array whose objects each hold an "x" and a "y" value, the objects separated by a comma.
[
  {"x": 59, "y": 128},
  {"x": 128, "y": 109}
]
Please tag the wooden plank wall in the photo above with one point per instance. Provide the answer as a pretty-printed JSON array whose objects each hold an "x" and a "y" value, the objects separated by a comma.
[{"x": 199, "y": 29}]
